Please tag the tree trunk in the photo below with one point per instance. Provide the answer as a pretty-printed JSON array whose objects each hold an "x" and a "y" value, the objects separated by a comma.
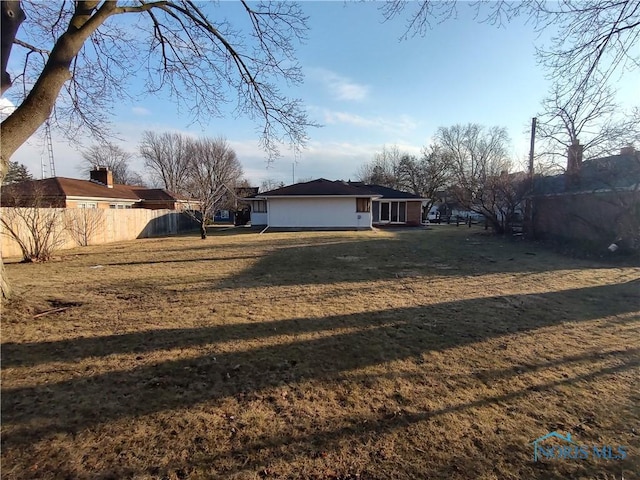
[
  {"x": 4, "y": 284},
  {"x": 203, "y": 231},
  {"x": 36, "y": 108}
]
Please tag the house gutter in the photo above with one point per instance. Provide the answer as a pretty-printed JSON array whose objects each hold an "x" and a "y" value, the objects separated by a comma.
[{"x": 76, "y": 198}]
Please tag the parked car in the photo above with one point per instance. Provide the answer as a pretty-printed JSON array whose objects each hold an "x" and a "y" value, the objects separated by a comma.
[{"x": 434, "y": 217}]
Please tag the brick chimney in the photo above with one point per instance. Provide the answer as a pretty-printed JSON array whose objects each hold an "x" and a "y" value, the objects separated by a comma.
[
  {"x": 628, "y": 150},
  {"x": 103, "y": 176},
  {"x": 574, "y": 164}
]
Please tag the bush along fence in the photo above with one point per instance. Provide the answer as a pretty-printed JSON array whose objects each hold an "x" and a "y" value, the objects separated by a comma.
[{"x": 35, "y": 233}]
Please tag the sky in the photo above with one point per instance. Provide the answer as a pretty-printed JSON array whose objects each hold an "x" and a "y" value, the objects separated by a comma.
[{"x": 368, "y": 88}]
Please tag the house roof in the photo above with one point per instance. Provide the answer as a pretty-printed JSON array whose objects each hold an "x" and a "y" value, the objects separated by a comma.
[
  {"x": 62, "y": 187},
  {"x": 616, "y": 172},
  {"x": 333, "y": 188},
  {"x": 157, "y": 195},
  {"x": 68, "y": 187},
  {"x": 319, "y": 188},
  {"x": 386, "y": 192}
]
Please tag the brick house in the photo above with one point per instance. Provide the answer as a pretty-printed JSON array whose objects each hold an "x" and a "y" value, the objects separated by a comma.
[{"x": 98, "y": 192}]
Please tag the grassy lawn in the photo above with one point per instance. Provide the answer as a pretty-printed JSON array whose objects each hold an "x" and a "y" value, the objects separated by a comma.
[{"x": 436, "y": 353}]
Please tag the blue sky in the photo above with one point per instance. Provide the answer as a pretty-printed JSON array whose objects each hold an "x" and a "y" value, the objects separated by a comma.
[{"x": 368, "y": 89}]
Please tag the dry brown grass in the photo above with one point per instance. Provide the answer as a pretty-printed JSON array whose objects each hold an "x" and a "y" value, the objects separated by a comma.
[{"x": 371, "y": 355}]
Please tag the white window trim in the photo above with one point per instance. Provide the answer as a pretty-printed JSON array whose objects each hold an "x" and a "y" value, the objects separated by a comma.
[{"x": 389, "y": 202}]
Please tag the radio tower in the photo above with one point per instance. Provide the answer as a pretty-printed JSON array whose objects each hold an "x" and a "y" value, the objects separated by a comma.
[{"x": 47, "y": 134}]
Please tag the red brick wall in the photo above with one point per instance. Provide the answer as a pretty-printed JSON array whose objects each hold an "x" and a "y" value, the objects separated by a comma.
[{"x": 414, "y": 213}]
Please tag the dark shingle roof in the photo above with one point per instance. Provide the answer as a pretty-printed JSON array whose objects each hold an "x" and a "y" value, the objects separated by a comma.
[
  {"x": 157, "y": 195},
  {"x": 386, "y": 192},
  {"x": 319, "y": 187},
  {"x": 324, "y": 187}
]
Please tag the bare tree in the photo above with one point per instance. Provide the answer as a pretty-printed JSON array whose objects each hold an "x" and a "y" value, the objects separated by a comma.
[
  {"x": 83, "y": 53},
  {"x": 384, "y": 169},
  {"x": 481, "y": 180},
  {"x": 590, "y": 38},
  {"x": 591, "y": 117},
  {"x": 115, "y": 159},
  {"x": 427, "y": 175},
  {"x": 83, "y": 224},
  {"x": 37, "y": 229},
  {"x": 214, "y": 173},
  {"x": 79, "y": 56},
  {"x": 166, "y": 156},
  {"x": 270, "y": 184}
]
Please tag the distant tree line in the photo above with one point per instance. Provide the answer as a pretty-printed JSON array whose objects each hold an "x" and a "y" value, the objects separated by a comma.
[
  {"x": 206, "y": 170},
  {"x": 469, "y": 164}
]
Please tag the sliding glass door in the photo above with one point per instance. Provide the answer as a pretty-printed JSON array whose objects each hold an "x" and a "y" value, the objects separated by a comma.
[{"x": 392, "y": 212}]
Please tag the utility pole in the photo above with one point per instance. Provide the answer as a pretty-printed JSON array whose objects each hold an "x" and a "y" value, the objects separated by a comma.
[{"x": 528, "y": 206}]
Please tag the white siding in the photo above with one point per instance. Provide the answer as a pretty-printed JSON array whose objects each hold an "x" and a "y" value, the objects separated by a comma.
[{"x": 316, "y": 212}]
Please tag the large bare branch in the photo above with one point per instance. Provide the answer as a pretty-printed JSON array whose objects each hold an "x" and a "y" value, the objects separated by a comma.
[
  {"x": 595, "y": 38},
  {"x": 12, "y": 17}
]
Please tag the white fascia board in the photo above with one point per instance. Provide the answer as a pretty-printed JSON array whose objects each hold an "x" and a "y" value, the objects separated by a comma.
[
  {"x": 273, "y": 197},
  {"x": 405, "y": 199},
  {"x": 100, "y": 199}
]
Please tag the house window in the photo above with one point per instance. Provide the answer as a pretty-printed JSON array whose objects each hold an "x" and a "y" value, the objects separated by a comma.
[
  {"x": 392, "y": 212},
  {"x": 363, "y": 204},
  {"x": 88, "y": 205},
  {"x": 385, "y": 211},
  {"x": 260, "y": 206}
]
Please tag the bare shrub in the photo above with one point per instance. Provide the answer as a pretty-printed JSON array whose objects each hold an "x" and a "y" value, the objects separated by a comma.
[
  {"x": 38, "y": 231},
  {"x": 83, "y": 223}
]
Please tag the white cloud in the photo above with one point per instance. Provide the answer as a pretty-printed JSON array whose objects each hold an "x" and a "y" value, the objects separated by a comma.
[
  {"x": 326, "y": 159},
  {"x": 341, "y": 88},
  {"x": 6, "y": 107},
  {"x": 140, "y": 111},
  {"x": 401, "y": 124}
]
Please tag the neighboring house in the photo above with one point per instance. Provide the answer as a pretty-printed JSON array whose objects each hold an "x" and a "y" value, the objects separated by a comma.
[
  {"x": 596, "y": 201},
  {"x": 236, "y": 210},
  {"x": 99, "y": 192},
  {"x": 331, "y": 204}
]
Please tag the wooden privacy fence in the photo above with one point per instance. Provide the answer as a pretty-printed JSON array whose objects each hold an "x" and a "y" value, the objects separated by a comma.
[{"x": 73, "y": 227}]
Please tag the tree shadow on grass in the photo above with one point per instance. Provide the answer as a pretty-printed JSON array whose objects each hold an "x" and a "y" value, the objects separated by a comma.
[
  {"x": 35, "y": 412},
  {"x": 444, "y": 324},
  {"x": 376, "y": 424},
  {"x": 407, "y": 254}
]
